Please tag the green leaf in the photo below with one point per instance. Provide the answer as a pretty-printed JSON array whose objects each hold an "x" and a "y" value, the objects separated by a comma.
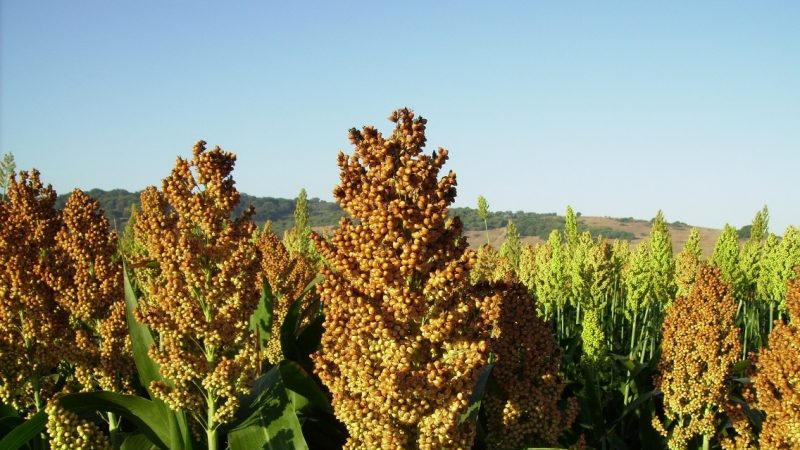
[
  {"x": 149, "y": 370},
  {"x": 270, "y": 421},
  {"x": 289, "y": 331},
  {"x": 309, "y": 339},
  {"x": 7, "y": 411},
  {"x": 137, "y": 441},
  {"x": 477, "y": 395},
  {"x": 302, "y": 390},
  {"x": 591, "y": 394},
  {"x": 24, "y": 433},
  {"x": 261, "y": 320},
  {"x": 150, "y": 417},
  {"x": 141, "y": 340}
]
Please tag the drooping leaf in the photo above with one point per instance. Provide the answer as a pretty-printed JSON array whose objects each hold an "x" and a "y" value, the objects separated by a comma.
[
  {"x": 141, "y": 340},
  {"x": 25, "y": 432},
  {"x": 261, "y": 320},
  {"x": 302, "y": 390},
  {"x": 289, "y": 331},
  {"x": 150, "y": 417},
  {"x": 268, "y": 419},
  {"x": 137, "y": 441},
  {"x": 477, "y": 395}
]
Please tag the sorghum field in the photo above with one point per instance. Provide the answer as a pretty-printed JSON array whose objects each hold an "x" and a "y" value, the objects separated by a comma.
[{"x": 195, "y": 329}]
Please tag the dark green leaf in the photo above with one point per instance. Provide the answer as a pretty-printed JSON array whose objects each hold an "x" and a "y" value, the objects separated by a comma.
[
  {"x": 477, "y": 395},
  {"x": 24, "y": 433},
  {"x": 141, "y": 340},
  {"x": 261, "y": 320},
  {"x": 270, "y": 421},
  {"x": 309, "y": 339},
  {"x": 137, "y": 441},
  {"x": 150, "y": 417},
  {"x": 289, "y": 331},
  {"x": 302, "y": 390}
]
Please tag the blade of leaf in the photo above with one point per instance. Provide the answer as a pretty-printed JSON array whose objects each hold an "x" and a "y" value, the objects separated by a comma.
[
  {"x": 303, "y": 391},
  {"x": 477, "y": 395},
  {"x": 141, "y": 340},
  {"x": 261, "y": 320},
  {"x": 137, "y": 441},
  {"x": 24, "y": 433},
  {"x": 289, "y": 330},
  {"x": 309, "y": 339},
  {"x": 272, "y": 422},
  {"x": 149, "y": 417}
]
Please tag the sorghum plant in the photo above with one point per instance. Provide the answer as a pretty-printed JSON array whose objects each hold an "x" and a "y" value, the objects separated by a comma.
[
  {"x": 404, "y": 338},
  {"x": 699, "y": 350},
  {"x": 288, "y": 275},
  {"x": 776, "y": 378},
  {"x": 200, "y": 286},
  {"x": 525, "y": 410},
  {"x": 35, "y": 334}
]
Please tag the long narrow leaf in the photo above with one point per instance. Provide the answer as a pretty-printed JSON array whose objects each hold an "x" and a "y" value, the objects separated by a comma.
[
  {"x": 137, "y": 441},
  {"x": 24, "y": 433},
  {"x": 141, "y": 340},
  {"x": 149, "y": 370},
  {"x": 302, "y": 390},
  {"x": 271, "y": 422},
  {"x": 261, "y": 320},
  {"x": 289, "y": 331},
  {"x": 149, "y": 417},
  {"x": 477, "y": 395}
]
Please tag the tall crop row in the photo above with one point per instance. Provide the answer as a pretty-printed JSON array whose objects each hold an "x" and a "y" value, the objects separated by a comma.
[{"x": 195, "y": 329}]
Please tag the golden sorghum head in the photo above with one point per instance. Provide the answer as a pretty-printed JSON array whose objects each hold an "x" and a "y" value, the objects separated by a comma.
[
  {"x": 777, "y": 377},
  {"x": 404, "y": 340},
  {"x": 68, "y": 431},
  {"x": 700, "y": 346},
  {"x": 201, "y": 285},
  {"x": 88, "y": 285},
  {"x": 525, "y": 410},
  {"x": 34, "y": 329},
  {"x": 288, "y": 274}
]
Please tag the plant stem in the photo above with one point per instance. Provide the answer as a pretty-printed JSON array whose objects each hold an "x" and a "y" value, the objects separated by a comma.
[
  {"x": 113, "y": 428},
  {"x": 211, "y": 427}
]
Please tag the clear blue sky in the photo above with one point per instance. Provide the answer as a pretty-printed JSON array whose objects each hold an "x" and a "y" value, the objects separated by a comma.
[{"x": 617, "y": 108}]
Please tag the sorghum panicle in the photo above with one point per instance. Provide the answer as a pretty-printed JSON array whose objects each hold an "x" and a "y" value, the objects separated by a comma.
[
  {"x": 88, "y": 282},
  {"x": 404, "y": 341},
  {"x": 525, "y": 411},
  {"x": 34, "y": 329},
  {"x": 288, "y": 275},
  {"x": 776, "y": 378},
  {"x": 700, "y": 347},
  {"x": 204, "y": 287}
]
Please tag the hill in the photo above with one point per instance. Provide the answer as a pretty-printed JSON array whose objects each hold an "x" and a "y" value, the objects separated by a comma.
[{"x": 534, "y": 227}]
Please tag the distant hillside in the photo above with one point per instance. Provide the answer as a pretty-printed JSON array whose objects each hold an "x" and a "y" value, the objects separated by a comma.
[
  {"x": 534, "y": 227},
  {"x": 117, "y": 206}
]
